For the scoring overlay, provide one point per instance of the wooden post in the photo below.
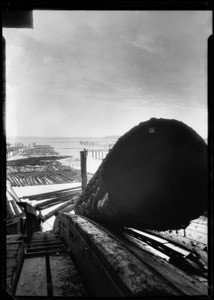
(83, 161)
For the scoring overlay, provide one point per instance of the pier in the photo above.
(79, 257)
(104, 239)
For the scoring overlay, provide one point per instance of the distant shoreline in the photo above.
(64, 139)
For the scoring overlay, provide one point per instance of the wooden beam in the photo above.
(83, 161)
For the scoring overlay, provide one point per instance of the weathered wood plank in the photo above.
(177, 277)
(65, 279)
(109, 267)
(191, 244)
(53, 212)
(32, 280)
(13, 246)
(12, 253)
(13, 238)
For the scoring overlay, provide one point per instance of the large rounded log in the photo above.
(155, 177)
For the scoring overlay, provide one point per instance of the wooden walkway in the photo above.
(14, 256)
(48, 269)
(111, 266)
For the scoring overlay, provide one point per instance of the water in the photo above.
(67, 146)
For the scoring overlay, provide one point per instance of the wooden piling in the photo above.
(83, 161)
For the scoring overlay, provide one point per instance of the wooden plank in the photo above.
(12, 246)
(14, 237)
(189, 243)
(15, 208)
(43, 253)
(65, 279)
(68, 208)
(16, 242)
(111, 270)
(11, 263)
(53, 212)
(40, 241)
(44, 243)
(198, 227)
(83, 160)
(12, 253)
(197, 236)
(46, 248)
(178, 278)
(193, 235)
(32, 281)
(10, 272)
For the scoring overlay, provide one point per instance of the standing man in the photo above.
(40, 219)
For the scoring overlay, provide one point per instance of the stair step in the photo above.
(34, 249)
(41, 253)
(43, 239)
(45, 243)
(43, 236)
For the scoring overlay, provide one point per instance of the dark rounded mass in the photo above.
(155, 177)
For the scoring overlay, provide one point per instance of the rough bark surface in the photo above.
(155, 177)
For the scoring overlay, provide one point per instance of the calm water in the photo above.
(66, 146)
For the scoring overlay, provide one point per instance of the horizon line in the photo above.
(32, 136)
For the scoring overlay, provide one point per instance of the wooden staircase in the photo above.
(44, 243)
(48, 269)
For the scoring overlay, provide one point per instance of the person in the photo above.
(31, 218)
(40, 219)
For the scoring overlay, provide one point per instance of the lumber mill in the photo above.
(135, 227)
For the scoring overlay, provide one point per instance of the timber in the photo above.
(83, 156)
(155, 177)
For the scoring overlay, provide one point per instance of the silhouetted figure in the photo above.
(40, 220)
(31, 218)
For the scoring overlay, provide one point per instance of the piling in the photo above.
(83, 161)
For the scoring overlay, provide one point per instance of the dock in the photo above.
(80, 258)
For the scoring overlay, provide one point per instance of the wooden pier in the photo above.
(48, 269)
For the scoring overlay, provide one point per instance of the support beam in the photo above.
(83, 161)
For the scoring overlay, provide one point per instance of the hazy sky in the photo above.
(98, 73)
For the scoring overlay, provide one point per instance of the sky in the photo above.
(100, 73)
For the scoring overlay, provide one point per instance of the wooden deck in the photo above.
(48, 269)
(14, 256)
